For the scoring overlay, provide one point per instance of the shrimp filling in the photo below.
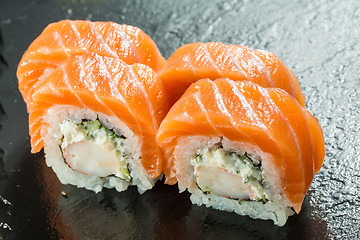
(228, 174)
(90, 148)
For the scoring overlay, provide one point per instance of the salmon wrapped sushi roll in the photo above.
(236, 146)
(97, 119)
(194, 61)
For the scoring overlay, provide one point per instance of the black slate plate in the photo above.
(319, 40)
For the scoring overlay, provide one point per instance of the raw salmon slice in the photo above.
(66, 38)
(213, 60)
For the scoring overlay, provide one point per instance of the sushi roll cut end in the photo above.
(231, 178)
(95, 134)
(92, 150)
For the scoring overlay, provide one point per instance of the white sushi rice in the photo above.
(257, 210)
(53, 136)
(277, 208)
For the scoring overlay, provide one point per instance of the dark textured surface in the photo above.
(319, 40)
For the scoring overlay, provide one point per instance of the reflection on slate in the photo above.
(319, 40)
(5, 205)
(161, 213)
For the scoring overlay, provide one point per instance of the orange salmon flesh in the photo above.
(213, 60)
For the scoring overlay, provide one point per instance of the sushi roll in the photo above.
(67, 38)
(90, 98)
(194, 61)
(236, 146)
(97, 119)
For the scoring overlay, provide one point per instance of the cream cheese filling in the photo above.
(228, 174)
(90, 148)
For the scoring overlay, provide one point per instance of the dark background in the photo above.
(319, 40)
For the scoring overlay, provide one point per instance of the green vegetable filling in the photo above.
(92, 127)
(242, 165)
(94, 131)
